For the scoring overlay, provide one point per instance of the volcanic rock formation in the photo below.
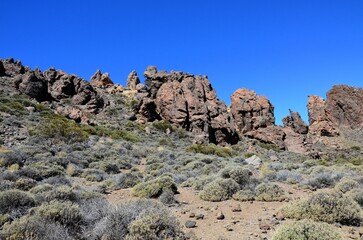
(101, 80)
(187, 101)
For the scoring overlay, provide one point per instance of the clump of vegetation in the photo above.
(15, 200)
(269, 146)
(219, 190)
(211, 149)
(346, 185)
(63, 212)
(244, 195)
(162, 125)
(155, 187)
(307, 229)
(16, 105)
(240, 175)
(357, 195)
(327, 207)
(140, 219)
(269, 192)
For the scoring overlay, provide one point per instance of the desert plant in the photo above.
(357, 195)
(211, 149)
(244, 195)
(139, 219)
(15, 200)
(219, 190)
(65, 212)
(34, 228)
(327, 207)
(269, 192)
(307, 229)
(155, 187)
(346, 185)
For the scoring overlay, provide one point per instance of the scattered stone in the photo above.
(199, 216)
(192, 215)
(265, 226)
(228, 227)
(255, 161)
(220, 216)
(237, 208)
(190, 224)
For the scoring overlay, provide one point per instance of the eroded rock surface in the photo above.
(101, 80)
(187, 101)
(132, 80)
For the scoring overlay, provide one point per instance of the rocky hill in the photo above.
(190, 102)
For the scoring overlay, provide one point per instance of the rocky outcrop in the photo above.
(343, 110)
(55, 85)
(295, 122)
(250, 111)
(101, 80)
(254, 117)
(132, 80)
(189, 102)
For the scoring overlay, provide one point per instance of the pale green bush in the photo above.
(306, 230)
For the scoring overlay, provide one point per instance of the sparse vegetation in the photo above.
(307, 229)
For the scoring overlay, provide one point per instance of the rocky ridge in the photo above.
(190, 102)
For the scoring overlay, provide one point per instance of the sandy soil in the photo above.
(255, 220)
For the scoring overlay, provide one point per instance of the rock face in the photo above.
(295, 122)
(101, 80)
(132, 80)
(187, 101)
(250, 111)
(254, 117)
(55, 85)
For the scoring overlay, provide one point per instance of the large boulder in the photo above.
(250, 111)
(189, 102)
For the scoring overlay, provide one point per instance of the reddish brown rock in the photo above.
(250, 111)
(270, 134)
(189, 102)
(295, 122)
(101, 80)
(132, 80)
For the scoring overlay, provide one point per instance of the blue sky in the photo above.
(283, 49)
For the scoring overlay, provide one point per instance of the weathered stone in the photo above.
(189, 102)
(132, 80)
(190, 224)
(101, 80)
(250, 111)
(255, 161)
(295, 122)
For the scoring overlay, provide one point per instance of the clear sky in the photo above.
(285, 50)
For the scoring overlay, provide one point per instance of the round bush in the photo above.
(154, 188)
(357, 195)
(346, 185)
(307, 229)
(269, 192)
(219, 190)
(15, 200)
(65, 213)
(244, 195)
(326, 207)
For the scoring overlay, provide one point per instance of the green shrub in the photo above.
(15, 200)
(269, 146)
(307, 229)
(34, 228)
(65, 212)
(122, 134)
(355, 148)
(346, 185)
(269, 192)
(357, 195)
(93, 175)
(46, 192)
(155, 187)
(25, 183)
(15, 105)
(162, 125)
(62, 129)
(219, 190)
(137, 220)
(211, 149)
(167, 142)
(249, 154)
(244, 195)
(326, 207)
(239, 174)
